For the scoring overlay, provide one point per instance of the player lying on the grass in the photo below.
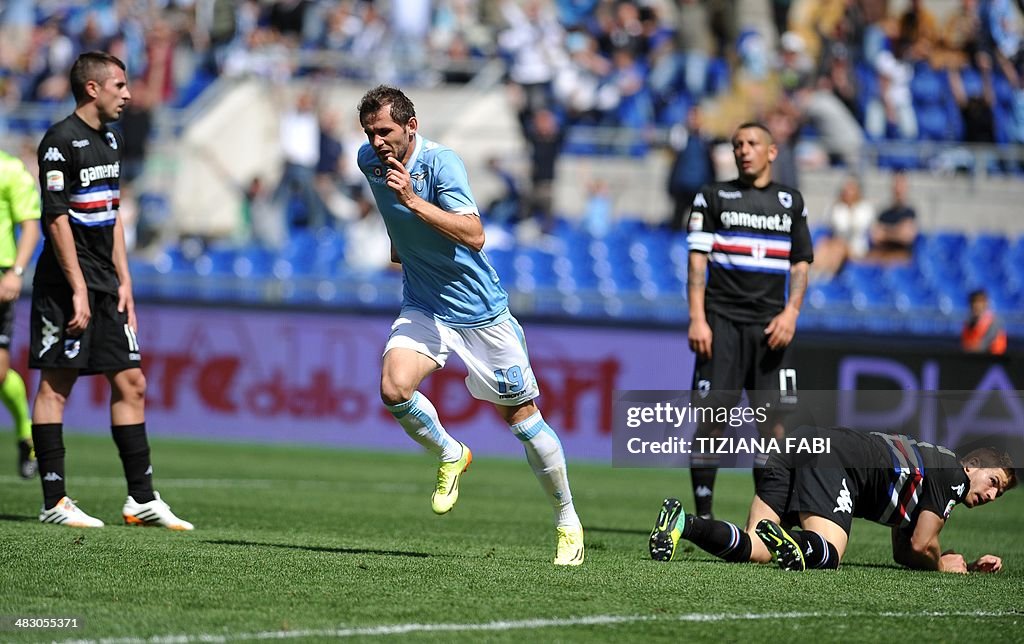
(890, 479)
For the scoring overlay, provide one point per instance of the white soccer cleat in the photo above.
(154, 513)
(67, 513)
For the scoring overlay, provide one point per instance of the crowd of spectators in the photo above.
(840, 71)
(677, 74)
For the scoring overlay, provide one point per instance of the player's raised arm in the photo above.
(466, 229)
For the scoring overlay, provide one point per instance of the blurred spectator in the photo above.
(983, 330)
(507, 206)
(959, 41)
(261, 219)
(288, 18)
(48, 62)
(692, 166)
(839, 78)
(160, 56)
(695, 44)
(628, 78)
(839, 132)
(367, 244)
(918, 29)
(330, 181)
(796, 67)
(300, 145)
(599, 209)
(849, 222)
(534, 46)
(545, 137)
(975, 109)
(724, 22)
(891, 113)
(894, 232)
(1001, 36)
(410, 27)
(620, 28)
(136, 125)
(780, 15)
(582, 86)
(784, 127)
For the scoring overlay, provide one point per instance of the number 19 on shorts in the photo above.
(509, 380)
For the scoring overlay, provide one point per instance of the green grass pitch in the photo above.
(313, 544)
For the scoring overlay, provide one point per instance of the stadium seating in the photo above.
(635, 273)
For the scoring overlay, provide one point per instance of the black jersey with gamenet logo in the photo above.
(898, 477)
(79, 173)
(751, 236)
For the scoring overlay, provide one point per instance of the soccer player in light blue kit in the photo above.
(453, 302)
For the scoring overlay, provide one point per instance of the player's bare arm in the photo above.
(920, 550)
(125, 299)
(700, 331)
(467, 230)
(28, 239)
(782, 328)
(64, 247)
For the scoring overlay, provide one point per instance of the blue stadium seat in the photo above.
(946, 245)
(215, 261)
(253, 263)
(856, 275)
(973, 85)
(828, 295)
(928, 86)
(915, 298)
(933, 123)
(172, 260)
(717, 79)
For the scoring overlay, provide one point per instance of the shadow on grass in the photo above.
(17, 517)
(596, 529)
(341, 551)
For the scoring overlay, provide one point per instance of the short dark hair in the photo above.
(91, 66)
(986, 457)
(757, 125)
(977, 294)
(402, 109)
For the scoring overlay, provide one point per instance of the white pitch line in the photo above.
(525, 624)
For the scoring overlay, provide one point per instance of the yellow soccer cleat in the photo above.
(570, 550)
(667, 531)
(784, 549)
(448, 475)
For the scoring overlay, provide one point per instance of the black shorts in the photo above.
(107, 345)
(741, 360)
(7, 324)
(819, 485)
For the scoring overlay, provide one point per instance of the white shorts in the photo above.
(495, 356)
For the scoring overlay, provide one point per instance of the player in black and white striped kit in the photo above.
(83, 313)
(804, 505)
(747, 237)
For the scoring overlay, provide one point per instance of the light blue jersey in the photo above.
(447, 280)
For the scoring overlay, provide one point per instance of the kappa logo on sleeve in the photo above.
(55, 181)
(699, 201)
(53, 155)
